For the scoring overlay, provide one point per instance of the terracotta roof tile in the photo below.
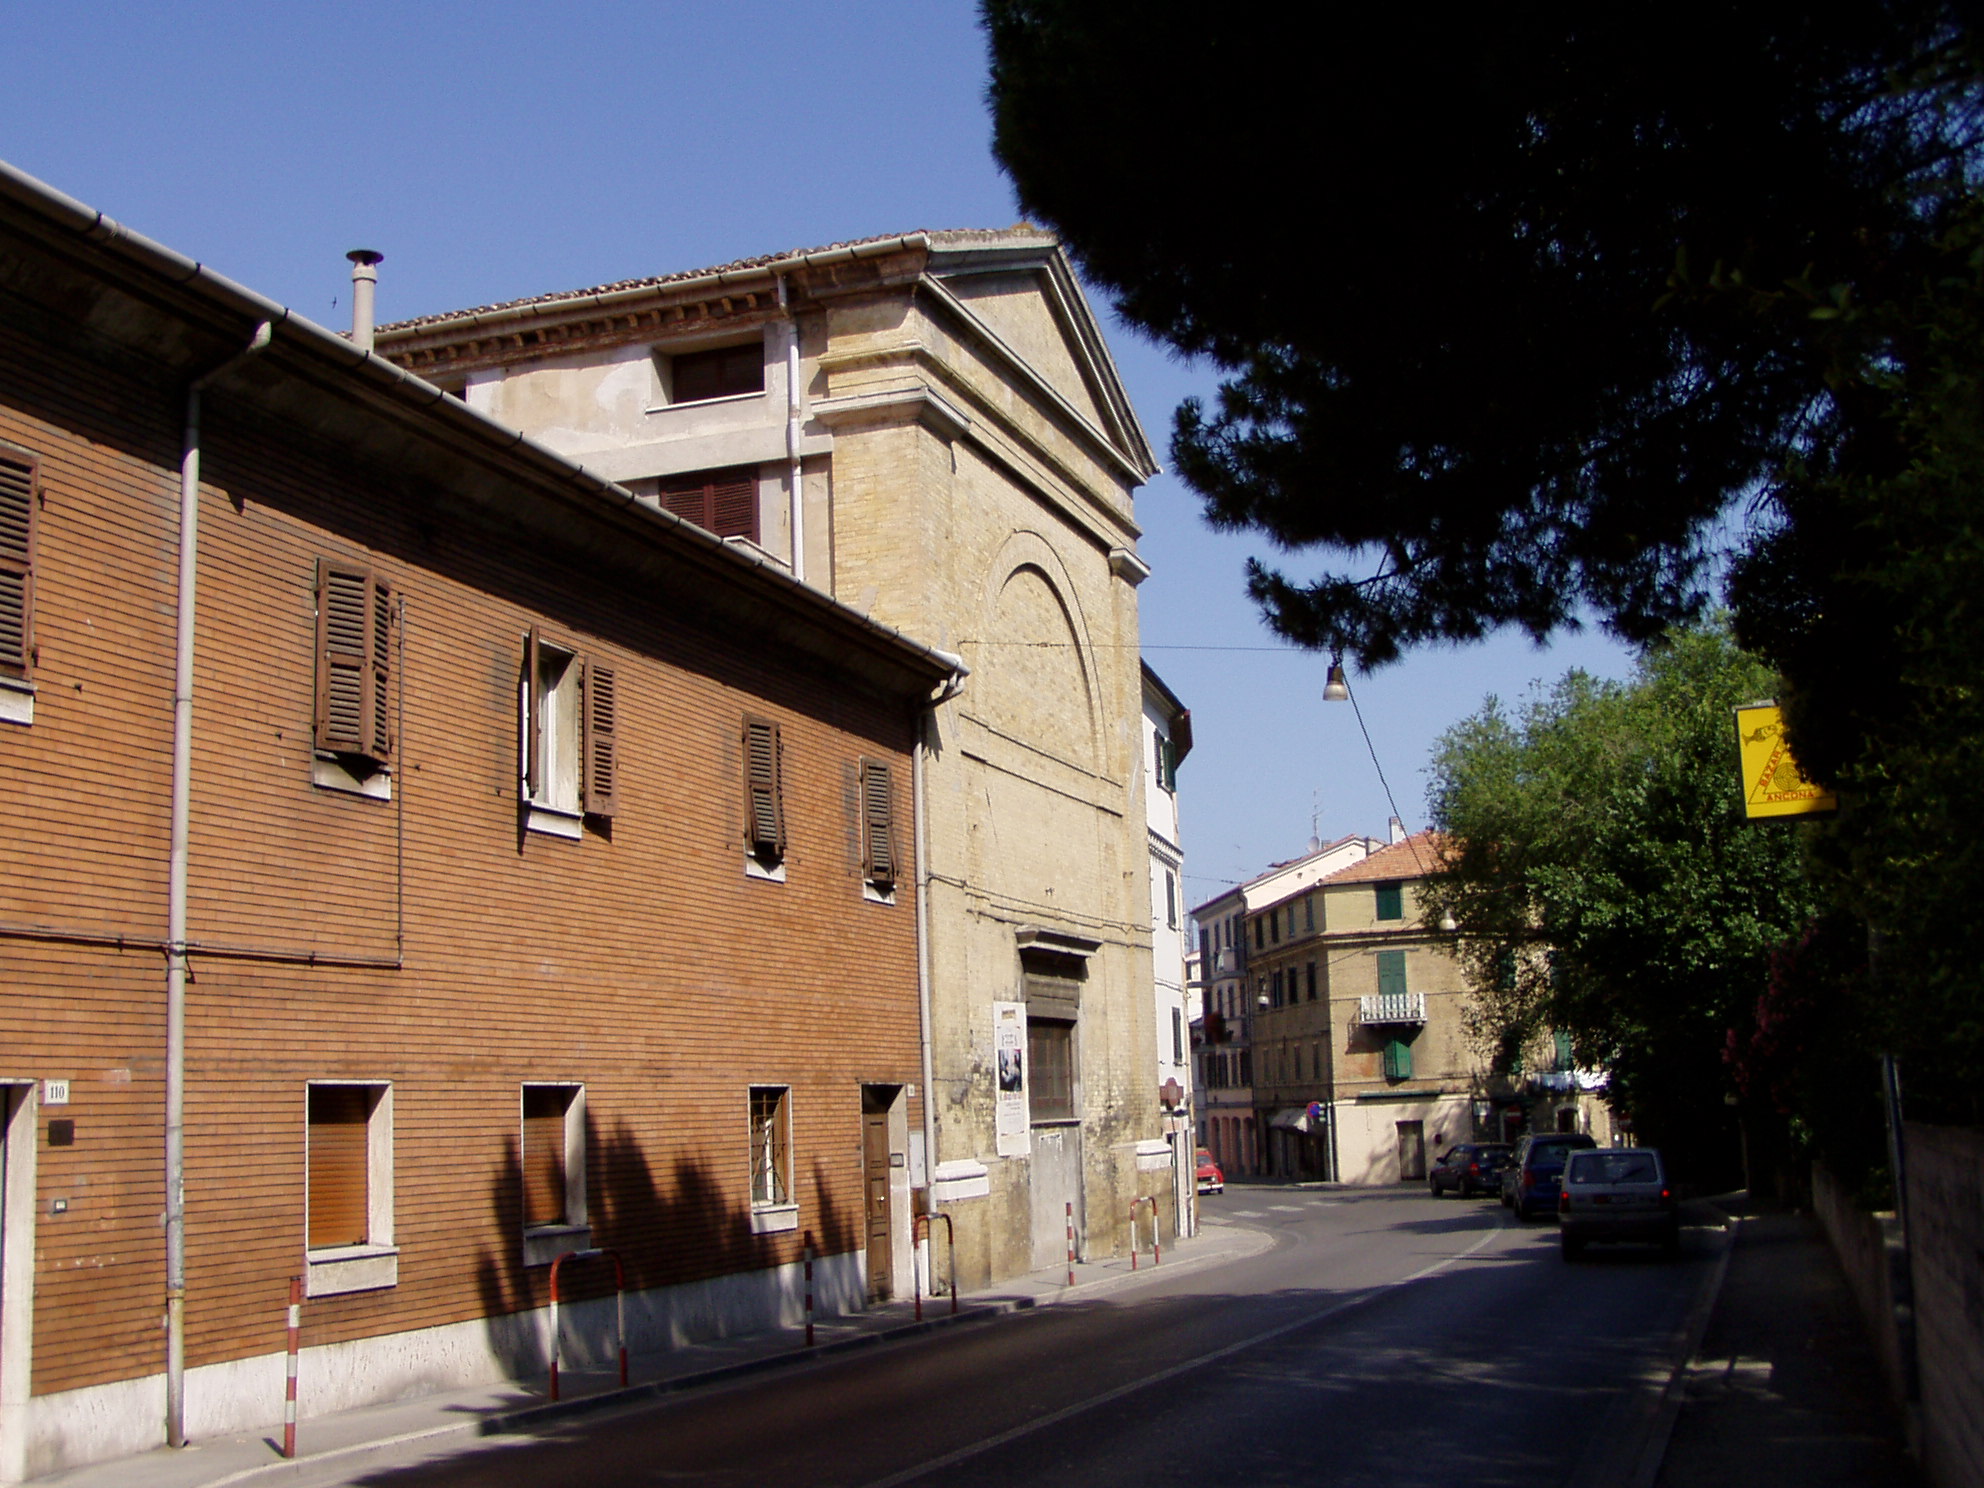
(1418, 856)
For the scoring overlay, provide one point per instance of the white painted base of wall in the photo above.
(101, 1422)
(1367, 1133)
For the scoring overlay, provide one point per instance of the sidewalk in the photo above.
(1784, 1388)
(354, 1442)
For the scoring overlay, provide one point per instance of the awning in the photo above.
(1294, 1118)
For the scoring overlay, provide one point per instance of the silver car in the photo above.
(1617, 1193)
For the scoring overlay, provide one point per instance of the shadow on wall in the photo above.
(694, 1268)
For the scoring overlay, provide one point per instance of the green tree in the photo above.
(1605, 882)
(1510, 303)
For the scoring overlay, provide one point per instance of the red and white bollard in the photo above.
(289, 1378)
(809, 1289)
(619, 1308)
(1071, 1244)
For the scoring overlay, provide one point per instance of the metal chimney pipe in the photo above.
(364, 278)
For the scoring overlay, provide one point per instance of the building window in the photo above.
(1170, 899)
(878, 827)
(1260, 935)
(1177, 1037)
(724, 502)
(1391, 901)
(773, 1208)
(568, 747)
(18, 500)
(721, 372)
(1309, 914)
(1312, 981)
(351, 713)
(1398, 1060)
(1391, 973)
(1561, 1038)
(764, 799)
(348, 1188)
(552, 1162)
(1167, 764)
(1275, 995)
(1050, 1047)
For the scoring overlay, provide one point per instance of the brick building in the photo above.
(549, 879)
(930, 428)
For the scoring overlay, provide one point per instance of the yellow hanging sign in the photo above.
(1773, 785)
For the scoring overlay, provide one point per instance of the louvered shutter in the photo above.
(544, 1154)
(764, 808)
(340, 1129)
(721, 501)
(1391, 973)
(878, 821)
(600, 706)
(354, 661)
(17, 491)
(531, 745)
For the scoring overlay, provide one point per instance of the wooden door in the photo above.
(1411, 1151)
(881, 1227)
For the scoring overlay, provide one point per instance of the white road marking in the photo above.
(1067, 1412)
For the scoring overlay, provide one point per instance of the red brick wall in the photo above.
(643, 963)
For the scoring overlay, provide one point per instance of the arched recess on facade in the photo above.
(1033, 670)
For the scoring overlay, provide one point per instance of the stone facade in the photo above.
(967, 460)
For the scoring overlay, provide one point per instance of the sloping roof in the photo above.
(1418, 856)
(850, 248)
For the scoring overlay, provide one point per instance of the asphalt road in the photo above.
(1385, 1338)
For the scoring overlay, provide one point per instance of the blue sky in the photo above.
(500, 148)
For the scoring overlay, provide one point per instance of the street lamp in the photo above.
(1336, 687)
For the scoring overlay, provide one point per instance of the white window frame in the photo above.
(551, 724)
(544, 1243)
(331, 1270)
(771, 1215)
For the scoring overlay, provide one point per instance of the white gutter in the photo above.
(797, 495)
(175, 898)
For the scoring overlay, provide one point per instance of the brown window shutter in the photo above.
(532, 743)
(17, 506)
(354, 630)
(721, 501)
(599, 733)
(340, 1128)
(878, 821)
(382, 672)
(544, 1154)
(765, 810)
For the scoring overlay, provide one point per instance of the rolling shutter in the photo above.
(17, 491)
(598, 747)
(878, 822)
(354, 662)
(544, 1154)
(764, 825)
(340, 1130)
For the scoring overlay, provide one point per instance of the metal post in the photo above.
(289, 1370)
(1071, 1243)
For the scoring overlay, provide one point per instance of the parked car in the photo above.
(1618, 1193)
(1529, 1183)
(1212, 1178)
(1469, 1168)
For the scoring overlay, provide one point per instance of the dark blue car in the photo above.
(1469, 1168)
(1531, 1182)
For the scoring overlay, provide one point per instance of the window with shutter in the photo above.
(354, 662)
(723, 372)
(551, 1156)
(721, 501)
(339, 1192)
(568, 751)
(18, 472)
(764, 806)
(878, 824)
(1391, 901)
(1398, 1060)
(1050, 1086)
(1391, 973)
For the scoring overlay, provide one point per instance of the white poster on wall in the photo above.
(1009, 1092)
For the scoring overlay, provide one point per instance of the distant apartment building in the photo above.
(1167, 736)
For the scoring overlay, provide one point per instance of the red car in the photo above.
(1212, 1179)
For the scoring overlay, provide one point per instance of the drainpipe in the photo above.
(364, 281)
(175, 901)
(797, 499)
(926, 724)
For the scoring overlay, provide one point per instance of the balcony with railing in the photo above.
(1392, 1007)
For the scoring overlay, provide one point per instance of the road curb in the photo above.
(1649, 1420)
(503, 1423)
